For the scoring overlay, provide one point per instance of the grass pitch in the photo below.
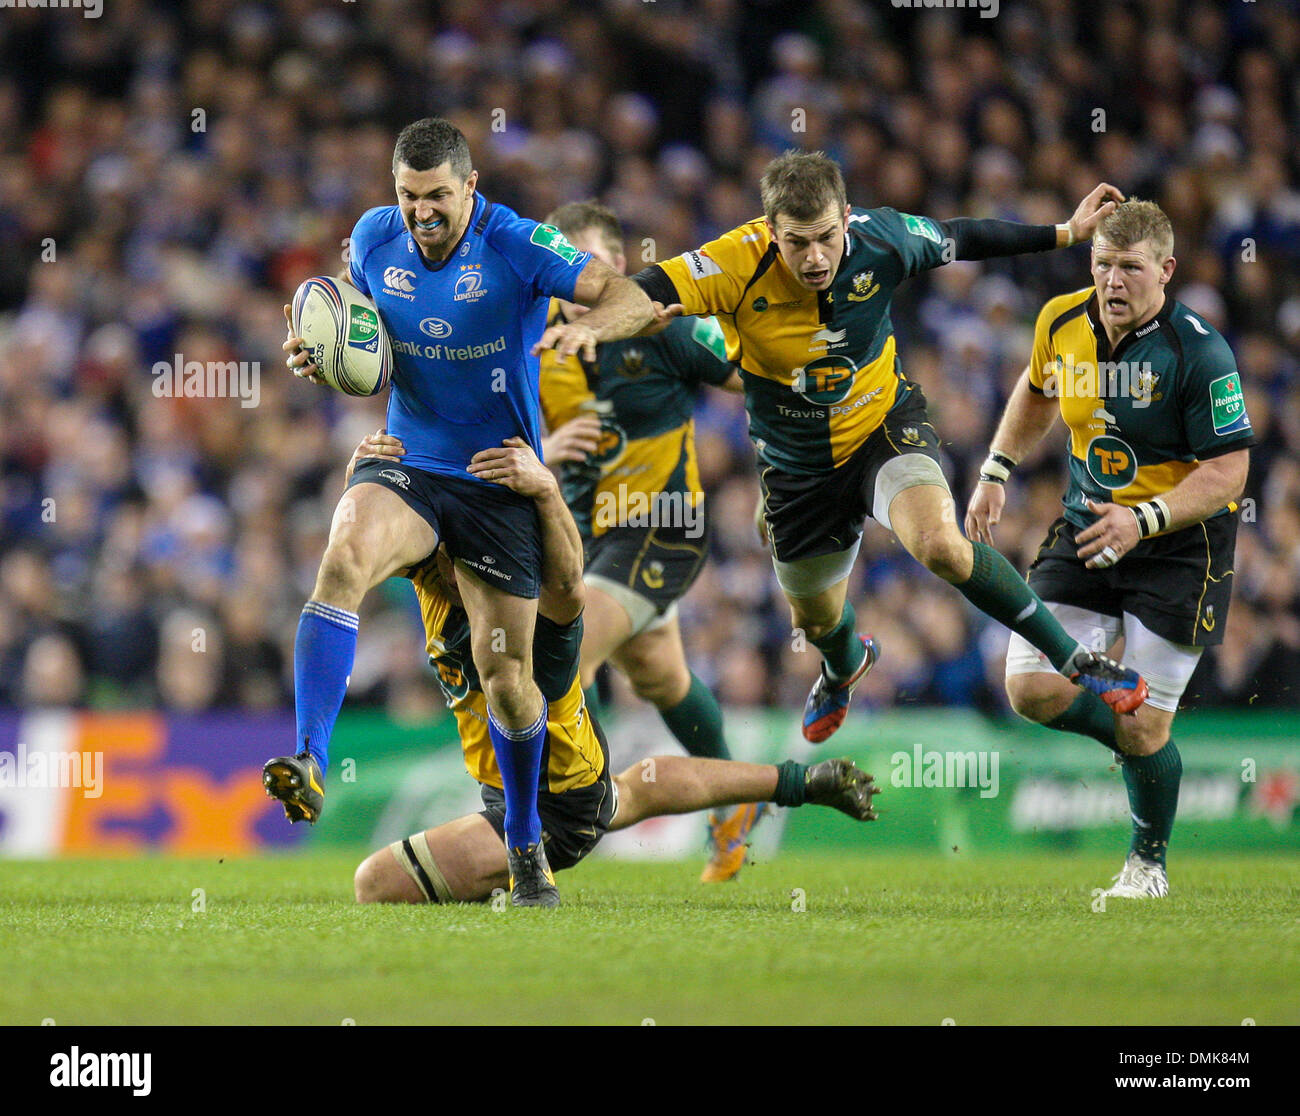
(882, 940)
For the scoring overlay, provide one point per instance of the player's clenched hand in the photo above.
(380, 444)
(514, 465)
(984, 511)
(1095, 208)
(573, 441)
(567, 338)
(299, 361)
(1107, 541)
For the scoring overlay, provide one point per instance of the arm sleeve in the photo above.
(982, 239)
(1213, 401)
(359, 247)
(556, 650)
(540, 255)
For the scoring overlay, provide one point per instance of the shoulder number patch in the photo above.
(1228, 405)
(550, 238)
(921, 226)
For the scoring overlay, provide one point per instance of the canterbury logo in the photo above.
(399, 279)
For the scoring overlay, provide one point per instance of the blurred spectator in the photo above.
(170, 172)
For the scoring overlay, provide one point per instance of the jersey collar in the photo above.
(1152, 325)
(477, 220)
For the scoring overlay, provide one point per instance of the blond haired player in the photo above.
(1157, 454)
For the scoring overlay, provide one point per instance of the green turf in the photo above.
(911, 940)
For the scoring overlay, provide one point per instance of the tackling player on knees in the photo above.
(488, 275)
(1144, 550)
(578, 797)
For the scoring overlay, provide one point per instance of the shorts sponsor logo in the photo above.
(653, 575)
(397, 280)
(437, 328)
(1228, 405)
(483, 568)
(550, 238)
(1111, 462)
(398, 478)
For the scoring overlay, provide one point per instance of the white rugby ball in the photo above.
(341, 331)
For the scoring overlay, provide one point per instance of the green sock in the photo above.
(1088, 715)
(696, 722)
(840, 647)
(998, 591)
(790, 786)
(1152, 783)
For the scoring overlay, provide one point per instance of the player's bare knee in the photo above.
(661, 688)
(1138, 736)
(371, 883)
(944, 553)
(344, 573)
(1038, 697)
(813, 625)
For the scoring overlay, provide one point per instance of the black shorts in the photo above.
(492, 530)
(808, 516)
(657, 563)
(573, 822)
(1178, 585)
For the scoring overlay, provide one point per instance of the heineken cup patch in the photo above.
(548, 236)
(1228, 405)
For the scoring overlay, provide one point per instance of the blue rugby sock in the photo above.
(519, 756)
(322, 667)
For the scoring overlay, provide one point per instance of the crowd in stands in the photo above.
(170, 172)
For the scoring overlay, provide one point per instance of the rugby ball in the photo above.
(340, 328)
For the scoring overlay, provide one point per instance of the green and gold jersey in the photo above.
(572, 755)
(820, 367)
(644, 390)
(1142, 416)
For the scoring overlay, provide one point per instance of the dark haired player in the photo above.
(1144, 551)
(803, 296)
(623, 434)
(579, 799)
(462, 286)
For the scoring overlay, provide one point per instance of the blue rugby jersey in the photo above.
(461, 330)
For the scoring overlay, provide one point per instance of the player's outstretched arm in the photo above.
(514, 466)
(984, 238)
(1025, 422)
(619, 308)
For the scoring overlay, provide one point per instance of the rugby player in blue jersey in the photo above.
(463, 287)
